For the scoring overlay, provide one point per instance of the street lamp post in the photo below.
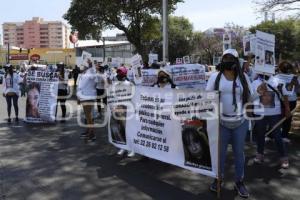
(8, 53)
(165, 31)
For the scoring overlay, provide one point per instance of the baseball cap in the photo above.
(232, 52)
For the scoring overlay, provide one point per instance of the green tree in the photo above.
(286, 37)
(278, 5)
(180, 37)
(136, 18)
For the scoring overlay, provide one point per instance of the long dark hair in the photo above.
(61, 70)
(238, 73)
(9, 70)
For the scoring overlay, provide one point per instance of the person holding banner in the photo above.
(11, 91)
(235, 93)
(287, 75)
(269, 108)
(101, 88)
(62, 90)
(122, 78)
(86, 95)
(164, 80)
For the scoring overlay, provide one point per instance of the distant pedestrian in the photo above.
(75, 72)
(23, 85)
(62, 90)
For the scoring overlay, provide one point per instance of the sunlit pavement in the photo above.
(52, 162)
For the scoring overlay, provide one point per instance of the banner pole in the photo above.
(219, 153)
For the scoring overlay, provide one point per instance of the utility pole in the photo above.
(103, 39)
(8, 53)
(165, 30)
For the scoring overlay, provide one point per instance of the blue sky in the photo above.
(202, 13)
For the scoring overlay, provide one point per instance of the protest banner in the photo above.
(149, 77)
(84, 57)
(180, 127)
(188, 75)
(42, 96)
(116, 62)
(285, 80)
(249, 42)
(264, 53)
(136, 64)
(119, 98)
(153, 58)
(226, 41)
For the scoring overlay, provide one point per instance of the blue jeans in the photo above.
(261, 129)
(237, 138)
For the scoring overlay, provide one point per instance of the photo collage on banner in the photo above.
(119, 99)
(175, 126)
(265, 53)
(42, 96)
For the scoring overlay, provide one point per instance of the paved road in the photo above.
(51, 162)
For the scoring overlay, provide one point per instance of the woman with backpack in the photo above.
(235, 94)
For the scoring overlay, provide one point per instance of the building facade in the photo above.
(36, 33)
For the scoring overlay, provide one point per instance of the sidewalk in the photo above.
(51, 162)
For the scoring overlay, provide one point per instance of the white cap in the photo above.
(232, 52)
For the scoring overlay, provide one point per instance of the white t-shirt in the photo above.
(101, 81)
(226, 97)
(269, 103)
(87, 86)
(286, 80)
(11, 84)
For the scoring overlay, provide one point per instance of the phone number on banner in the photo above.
(152, 145)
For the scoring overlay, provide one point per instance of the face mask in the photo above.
(163, 79)
(228, 65)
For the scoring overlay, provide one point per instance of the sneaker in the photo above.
(9, 120)
(92, 137)
(214, 186)
(285, 164)
(83, 135)
(16, 119)
(121, 152)
(268, 139)
(259, 158)
(286, 140)
(131, 154)
(241, 189)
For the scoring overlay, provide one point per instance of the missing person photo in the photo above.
(247, 46)
(268, 99)
(196, 144)
(269, 57)
(118, 124)
(33, 100)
